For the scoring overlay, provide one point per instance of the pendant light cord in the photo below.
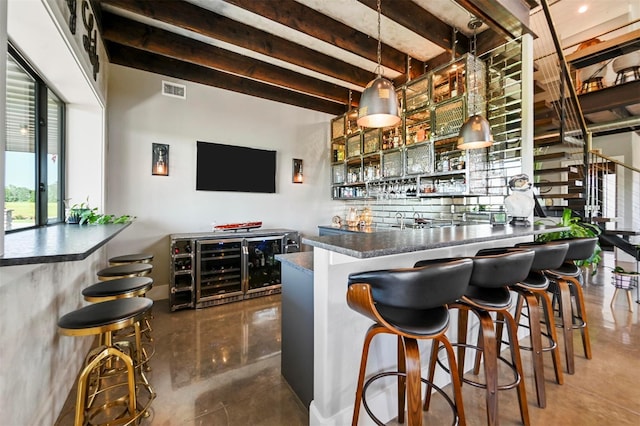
(379, 67)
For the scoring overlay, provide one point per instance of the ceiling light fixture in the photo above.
(379, 103)
(583, 8)
(475, 133)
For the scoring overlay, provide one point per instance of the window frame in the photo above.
(41, 187)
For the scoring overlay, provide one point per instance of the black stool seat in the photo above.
(414, 321)
(128, 270)
(131, 258)
(118, 288)
(103, 317)
(493, 298)
(568, 269)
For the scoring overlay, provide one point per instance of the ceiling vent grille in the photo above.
(174, 90)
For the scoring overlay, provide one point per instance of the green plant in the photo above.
(82, 213)
(576, 229)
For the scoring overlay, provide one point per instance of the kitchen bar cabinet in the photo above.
(210, 269)
(420, 152)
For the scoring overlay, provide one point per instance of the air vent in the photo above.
(174, 90)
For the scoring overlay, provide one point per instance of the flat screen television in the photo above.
(222, 167)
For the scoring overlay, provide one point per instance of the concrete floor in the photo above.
(221, 366)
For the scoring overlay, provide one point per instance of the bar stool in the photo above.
(131, 258)
(532, 291)
(488, 292)
(564, 283)
(124, 271)
(98, 382)
(122, 288)
(411, 304)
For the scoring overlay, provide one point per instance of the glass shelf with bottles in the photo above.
(350, 192)
(448, 81)
(337, 150)
(351, 123)
(417, 125)
(354, 146)
(354, 171)
(438, 186)
(392, 138)
(371, 169)
(416, 93)
(448, 158)
(371, 141)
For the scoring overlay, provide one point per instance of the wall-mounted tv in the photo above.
(222, 167)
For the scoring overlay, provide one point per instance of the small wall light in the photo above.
(297, 170)
(160, 159)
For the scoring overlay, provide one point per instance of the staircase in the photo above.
(566, 174)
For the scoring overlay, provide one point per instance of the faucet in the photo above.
(400, 219)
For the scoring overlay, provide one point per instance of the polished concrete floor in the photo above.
(221, 366)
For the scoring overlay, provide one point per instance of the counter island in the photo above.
(338, 332)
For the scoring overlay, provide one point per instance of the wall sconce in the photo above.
(297, 170)
(160, 159)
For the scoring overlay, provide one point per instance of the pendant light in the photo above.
(476, 131)
(379, 103)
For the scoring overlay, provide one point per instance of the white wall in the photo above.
(138, 115)
(624, 146)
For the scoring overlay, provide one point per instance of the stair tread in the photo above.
(570, 169)
(551, 156)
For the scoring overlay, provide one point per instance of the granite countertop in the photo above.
(367, 245)
(302, 261)
(57, 243)
(356, 229)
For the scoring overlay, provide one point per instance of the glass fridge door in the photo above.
(219, 269)
(263, 270)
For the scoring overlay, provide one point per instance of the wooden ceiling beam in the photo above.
(202, 21)
(306, 20)
(408, 14)
(139, 59)
(154, 40)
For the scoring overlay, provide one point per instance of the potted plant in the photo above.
(82, 213)
(577, 229)
(77, 212)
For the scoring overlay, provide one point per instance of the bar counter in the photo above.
(338, 332)
(57, 243)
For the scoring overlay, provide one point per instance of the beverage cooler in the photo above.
(228, 267)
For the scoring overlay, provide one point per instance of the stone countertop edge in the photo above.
(56, 243)
(302, 261)
(363, 245)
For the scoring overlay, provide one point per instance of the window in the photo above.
(34, 161)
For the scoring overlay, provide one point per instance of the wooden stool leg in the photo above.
(567, 323)
(490, 365)
(414, 383)
(432, 372)
(629, 300)
(455, 378)
(582, 313)
(402, 381)
(512, 329)
(535, 334)
(371, 333)
(551, 330)
(463, 317)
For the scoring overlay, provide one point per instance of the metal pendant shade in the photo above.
(475, 133)
(379, 105)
